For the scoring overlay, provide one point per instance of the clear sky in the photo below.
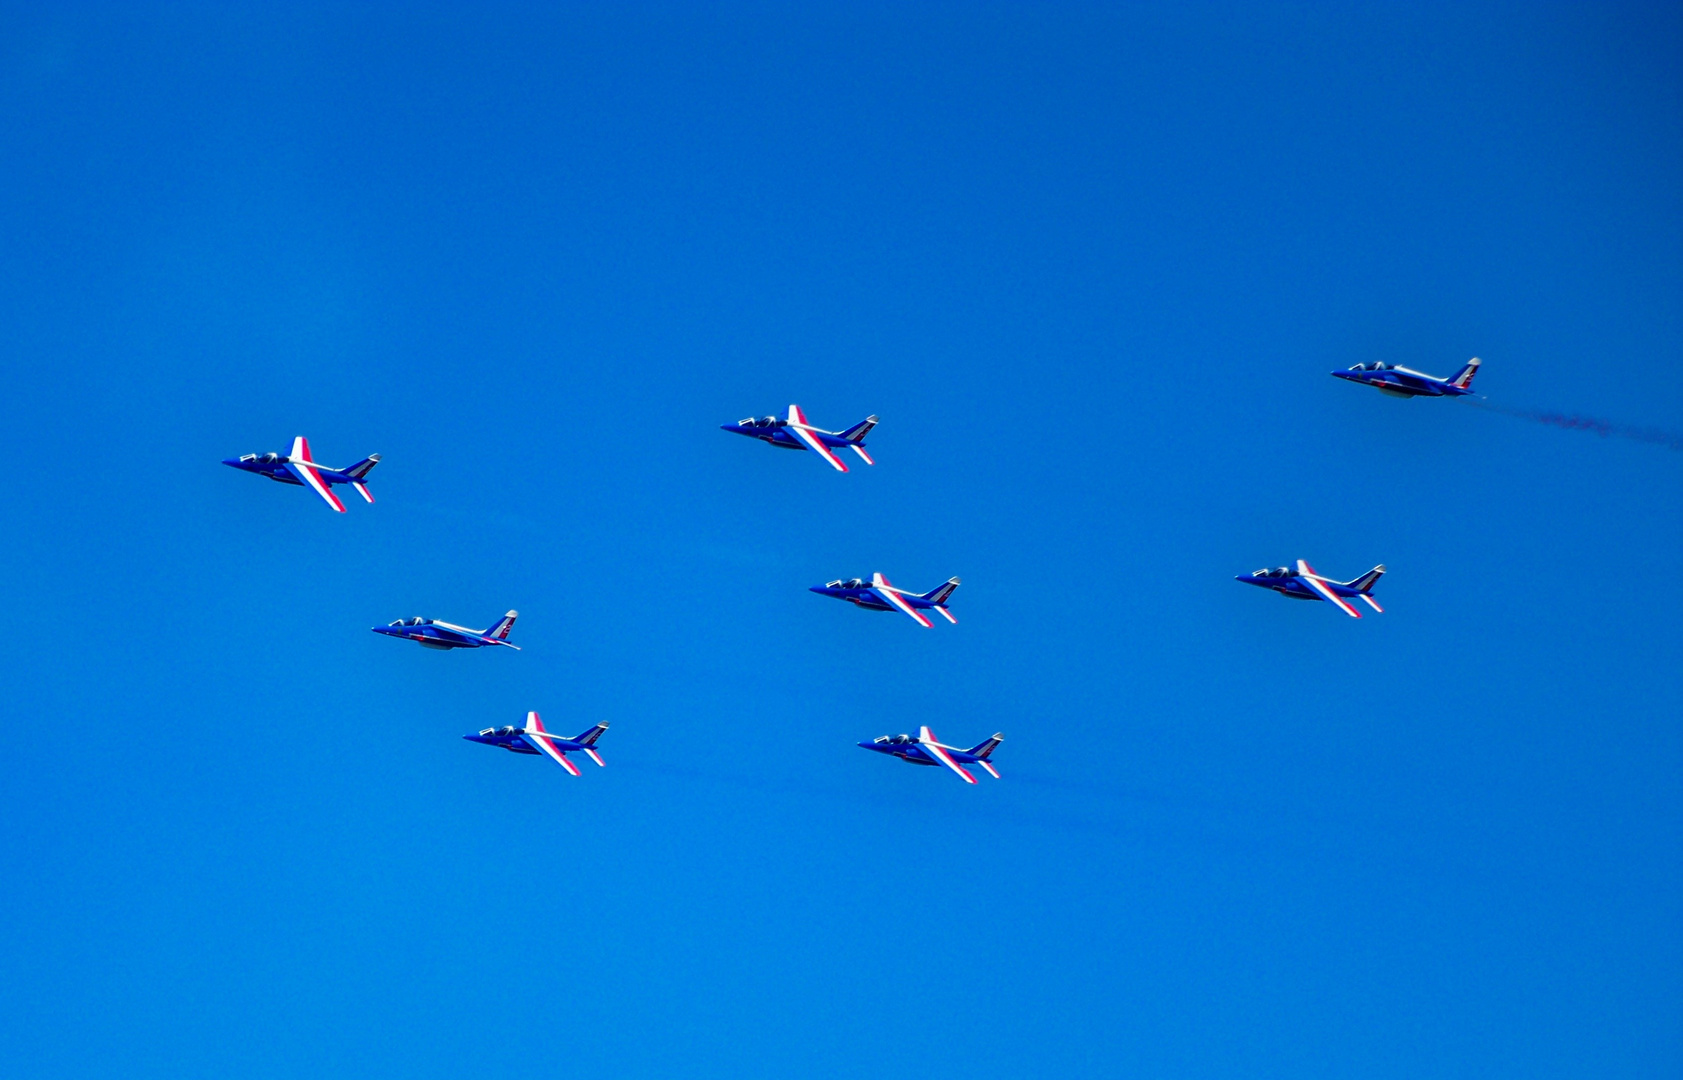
(1091, 267)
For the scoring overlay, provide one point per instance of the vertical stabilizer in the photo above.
(1463, 379)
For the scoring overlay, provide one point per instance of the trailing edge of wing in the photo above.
(926, 739)
(1309, 578)
(815, 443)
(306, 475)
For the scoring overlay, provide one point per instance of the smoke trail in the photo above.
(1604, 428)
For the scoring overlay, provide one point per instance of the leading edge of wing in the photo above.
(1314, 582)
(926, 739)
(814, 443)
(306, 475)
(541, 741)
(887, 593)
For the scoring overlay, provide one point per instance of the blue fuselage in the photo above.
(771, 430)
(432, 635)
(907, 749)
(1401, 381)
(1286, 582)
(857, 592)
(513, 740)
(274, 466)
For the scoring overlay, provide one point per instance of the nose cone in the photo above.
(476, 738)
(390, 631)
(1351, 375)
(822, 590)
(234, 462)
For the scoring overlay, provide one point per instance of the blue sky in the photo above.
(1091, 268)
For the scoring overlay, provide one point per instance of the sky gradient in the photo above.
(1091, 267)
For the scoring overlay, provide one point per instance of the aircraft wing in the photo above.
(881, 587)
(1311, 579)
(306, 474)
(798, 425)
(926, 739)
(541, 741)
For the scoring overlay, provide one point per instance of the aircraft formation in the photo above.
(793, 432)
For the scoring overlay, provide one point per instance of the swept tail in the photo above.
(857, 433)
(1463, 379)
(939, 594)
(1366, 582)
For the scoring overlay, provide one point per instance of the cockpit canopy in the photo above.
(416, 621)
(894, 740)
(1278, 571)
(850, 583)
(764, 421)
(1376, 366)
(506, 731)
(271, 457)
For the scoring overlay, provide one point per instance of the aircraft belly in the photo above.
(429, 643)
(1299, 595)
(1395, 392)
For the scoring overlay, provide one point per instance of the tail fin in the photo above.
(858, 431)
(504, 625)
(985, 747)
(363, 467)
(939, 594)
(1366, 582)
(589, 738)
(1464, 377)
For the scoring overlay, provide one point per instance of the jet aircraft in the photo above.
(925, 750)
(1304, 584)
(879, 595)
(433, 634)
(1402, 382)
(795, 433)
(297, 468)
(533, 739)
